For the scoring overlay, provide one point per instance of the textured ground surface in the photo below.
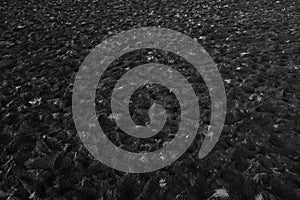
(256, 46)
